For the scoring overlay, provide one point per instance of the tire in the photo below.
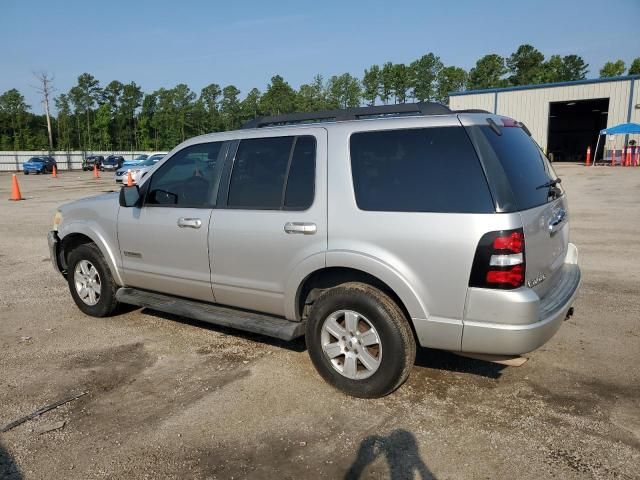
(26, 173)
(378, 319)
(101, 304)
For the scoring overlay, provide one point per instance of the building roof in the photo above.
(547, 85)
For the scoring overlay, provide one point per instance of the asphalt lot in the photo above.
(172, 398)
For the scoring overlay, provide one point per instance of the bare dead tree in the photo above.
(45, 88)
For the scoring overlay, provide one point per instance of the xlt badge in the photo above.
(535, 281)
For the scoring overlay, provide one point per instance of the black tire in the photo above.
(107, 302)
(26, 173)
(396, 339)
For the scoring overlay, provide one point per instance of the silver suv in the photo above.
(368, 231)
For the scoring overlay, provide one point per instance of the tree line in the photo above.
(121, 116)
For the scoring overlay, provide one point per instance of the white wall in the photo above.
(531, 106)
(12, 161)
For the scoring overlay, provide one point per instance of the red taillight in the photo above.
(514, 276)
(513, 242)
(500, 260)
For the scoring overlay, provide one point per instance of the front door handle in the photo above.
(300, 227)
(189, 222)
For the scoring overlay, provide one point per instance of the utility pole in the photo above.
(45, 88)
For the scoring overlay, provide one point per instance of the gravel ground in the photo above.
(173, 398)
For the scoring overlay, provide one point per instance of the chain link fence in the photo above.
(12, 161)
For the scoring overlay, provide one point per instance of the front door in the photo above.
(271, 219)
(163, 244)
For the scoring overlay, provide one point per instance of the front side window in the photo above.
(189, 178)
(273, 174)
(418, 170)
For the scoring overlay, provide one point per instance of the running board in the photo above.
(227, 317)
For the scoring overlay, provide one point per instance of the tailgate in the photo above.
(546, 235)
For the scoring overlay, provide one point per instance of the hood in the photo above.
(91, 202)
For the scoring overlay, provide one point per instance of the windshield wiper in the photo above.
(550, 183)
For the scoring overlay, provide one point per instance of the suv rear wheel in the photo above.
(90, 281)
(360, 341)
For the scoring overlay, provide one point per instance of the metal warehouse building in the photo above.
(564, 118)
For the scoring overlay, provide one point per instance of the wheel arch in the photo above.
(72, 238)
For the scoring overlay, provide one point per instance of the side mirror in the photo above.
(130, 196)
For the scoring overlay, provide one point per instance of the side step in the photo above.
(228, 317)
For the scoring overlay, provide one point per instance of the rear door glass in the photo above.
(525, 167)
(418, 170)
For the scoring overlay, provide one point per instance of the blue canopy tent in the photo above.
(622, 129)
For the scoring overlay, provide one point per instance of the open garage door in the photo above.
(573, 126)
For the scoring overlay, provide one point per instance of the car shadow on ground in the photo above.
(8, 468)
(443, 360)
(399, 449)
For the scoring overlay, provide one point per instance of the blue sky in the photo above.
(163, 43)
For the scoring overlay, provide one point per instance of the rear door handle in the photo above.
(300, 227)
(189, 222)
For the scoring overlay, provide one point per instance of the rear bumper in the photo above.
(519, 337)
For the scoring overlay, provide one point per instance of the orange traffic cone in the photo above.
(129, 179)
(95, 171)
(54, 174)
(15, 189)
(588, 160)
(627, 162)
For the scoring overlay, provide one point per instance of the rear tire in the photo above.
(26, 173)
(90, 281)
(357, 324)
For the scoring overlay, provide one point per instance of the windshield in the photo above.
(152, 160)
(110, 160)
(35, 159)
(141, 157)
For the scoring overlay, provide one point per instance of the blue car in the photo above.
(39, 165)
(135, 162)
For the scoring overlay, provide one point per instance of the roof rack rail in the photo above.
(421, 108)
(472, 110)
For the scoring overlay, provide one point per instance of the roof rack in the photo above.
(421, 108)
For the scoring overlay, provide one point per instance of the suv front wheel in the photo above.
(90, 281)
(359, 340)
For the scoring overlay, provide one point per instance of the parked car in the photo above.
(112, 163)
(42, 164)
(140, 170)
(91, 161)
(136, 161)
(371, 232)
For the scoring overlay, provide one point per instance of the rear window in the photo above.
(516, 166)
(418, 170)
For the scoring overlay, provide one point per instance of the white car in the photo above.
(140, 170)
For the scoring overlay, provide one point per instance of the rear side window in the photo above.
(517, 167)
(273, 174)
(418, 170)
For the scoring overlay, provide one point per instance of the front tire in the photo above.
(360, 341)
(90, 281)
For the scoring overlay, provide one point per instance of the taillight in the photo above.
(499, 261)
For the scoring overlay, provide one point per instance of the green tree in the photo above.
(101, 126)
(386, 82)
(250, 106)
(343, 91)
(279, 98)
(130, 102)
(634, 69)
(450, 79)
(312, 97)
(563, 69)
(230, 107)
(210, 97)
(525, 66)
(64, 122)
(148, 132)
(423, 76)
(14, 108)
(612, 69)
(371, 84)
(487, 73)
(401, 82)
(84, 96)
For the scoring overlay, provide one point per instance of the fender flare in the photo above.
(111, 257)
(356, 261)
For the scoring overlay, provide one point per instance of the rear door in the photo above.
(272, 217)
(522, 180)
